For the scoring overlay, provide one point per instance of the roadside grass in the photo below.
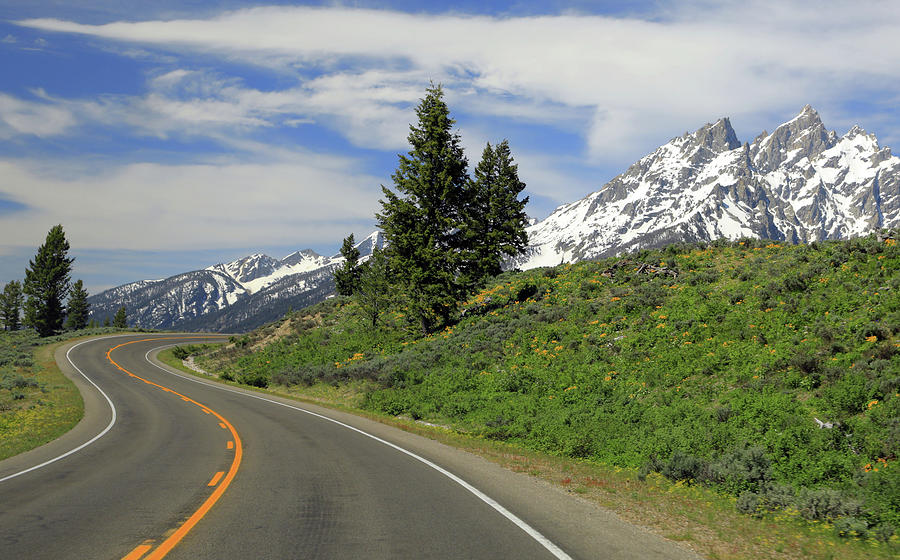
(763, 373)
(38, 403)
(697, 517)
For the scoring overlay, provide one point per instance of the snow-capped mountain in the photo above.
(235, 296)
(800, 183)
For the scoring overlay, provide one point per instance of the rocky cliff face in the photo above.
(800, 183)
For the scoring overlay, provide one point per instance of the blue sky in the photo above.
(167, 136)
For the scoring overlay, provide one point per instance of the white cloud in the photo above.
(40, 119)
(291, 199)
(9, 39)
(640, 78)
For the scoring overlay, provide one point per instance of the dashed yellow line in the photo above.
(216, 477)
(179, 533)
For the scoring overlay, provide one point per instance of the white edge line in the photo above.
(112, 421)
(531, 531)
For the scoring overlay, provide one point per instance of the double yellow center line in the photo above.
(221, 479)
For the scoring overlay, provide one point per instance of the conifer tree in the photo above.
(78, 310)
(346, 278)
(421, 220)
(373, 294)
(106, 321)
(120, 321)
(10, 305)
(495, 219)
(47, 284)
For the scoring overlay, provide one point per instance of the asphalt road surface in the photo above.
(168, 465)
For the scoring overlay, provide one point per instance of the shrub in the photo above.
(254, 380)
(826, 504)
(680, 466)
(749, 503)
(848, 527)
(745, 468)
(883, 531)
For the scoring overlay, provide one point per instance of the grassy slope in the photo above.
(37, 402)
(597, 361)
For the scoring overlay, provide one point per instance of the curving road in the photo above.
(188, 469)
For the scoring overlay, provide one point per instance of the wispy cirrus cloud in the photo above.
(638, 79)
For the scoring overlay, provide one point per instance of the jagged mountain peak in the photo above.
(249, 268)
(800, 183)
(302, 256)
(804, 136)
(718, 136)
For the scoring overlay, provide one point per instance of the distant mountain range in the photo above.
(232, 297)
(800, 183)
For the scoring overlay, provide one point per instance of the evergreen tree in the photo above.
(79, 309)
(106, 321)
(346, 278)
(10, 305)
(120, 321)
(495, 219)
(421, 221)
(47, 284)
(373, 294)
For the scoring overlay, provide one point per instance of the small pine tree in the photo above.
(47, 284)
(346, 278)
(10, 305)
(421, 220)
(120, 321)
(79, 309)
(373, 294)
(495, 218)
(106, 321)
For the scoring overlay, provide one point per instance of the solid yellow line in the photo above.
(167, 545)
(215, 478)
(138, 551)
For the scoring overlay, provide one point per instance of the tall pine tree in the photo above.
(47, 284)
(495, 219)
(120, 321)
(346, 278)
(10, 305)
(421, 220)
(78, 310)
(373, 294)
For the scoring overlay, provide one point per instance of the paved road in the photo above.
(289, 480)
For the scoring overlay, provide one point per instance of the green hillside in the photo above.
(770, 372)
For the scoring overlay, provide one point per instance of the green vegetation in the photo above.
(120, 321)
(769, 373)
(445, 232)
(11, 305)
(37, 402)
(78, 310)
(47, 284)
(346, 278)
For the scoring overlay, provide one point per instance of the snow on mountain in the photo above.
(228, 296)
(800, 183)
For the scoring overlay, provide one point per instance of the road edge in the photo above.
(94, 419)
